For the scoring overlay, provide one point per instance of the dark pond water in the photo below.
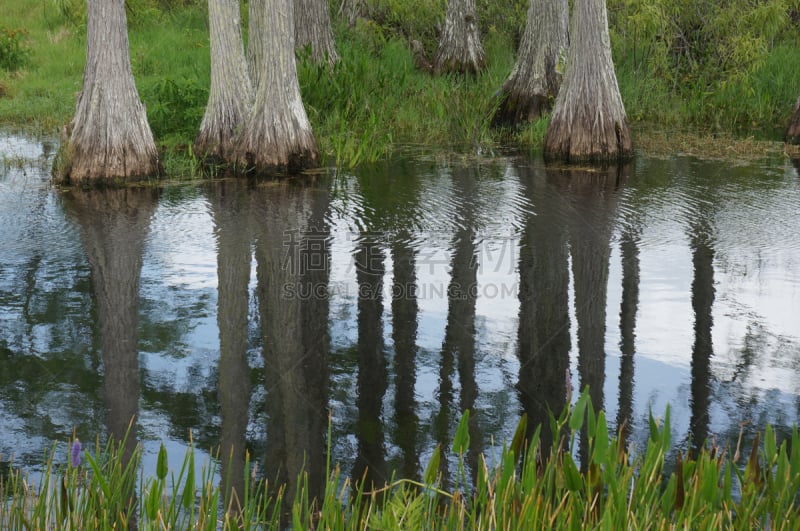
(392, 298)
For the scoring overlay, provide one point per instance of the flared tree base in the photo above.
(214, 150)
(458, 65)
(90, 165)
(517, 109)
(588, 137)
(265, 164)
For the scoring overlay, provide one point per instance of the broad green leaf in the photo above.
(572, 475)
(654, 432)
(600, 454)
(770, 447)
(794, 458)
(518, 442)
(161, 465)
(187, 499)
(152, 503)
(591, 420)
(666, 433)
(432, 470)
(710, 483)
(727, 483)
(668, 499)
(461, 440)
(579, 412)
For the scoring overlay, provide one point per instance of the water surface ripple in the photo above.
(393, 297)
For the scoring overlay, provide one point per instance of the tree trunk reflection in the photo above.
(702, 350)
(543, 336)
(459, 341)
(229, 207)
(404, 335)
(629, 248)
(114, 224)
(292, 274)
(593, 197)
(372, 381)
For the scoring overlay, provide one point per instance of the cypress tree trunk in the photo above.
(277, 135)
(792, 135)
(110, 137)
(312, 27)
(256, 44)
(351, 10)
(534, 82)
(231, 95)
(460, 48)
(589, 121)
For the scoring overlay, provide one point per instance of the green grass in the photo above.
(374, 98)
(522, 487)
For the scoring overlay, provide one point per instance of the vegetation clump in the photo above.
(14, 53)
(613, 487)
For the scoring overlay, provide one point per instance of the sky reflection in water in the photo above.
(669, 281)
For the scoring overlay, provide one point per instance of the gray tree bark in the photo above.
(312, 27)
(109, 136)
(589, 121)
(460, 48)
(792, 135)
(256, 44)
(231, 95)
(277, 135)
(533, 84)
(351, 10)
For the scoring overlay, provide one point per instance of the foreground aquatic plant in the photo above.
(613, 488)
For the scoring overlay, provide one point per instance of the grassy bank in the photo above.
(527, 486)
(375, 97)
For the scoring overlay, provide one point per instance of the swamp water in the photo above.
(389, 299)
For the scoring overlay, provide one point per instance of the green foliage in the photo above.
(139, 12)
(14, 53)
(375, 96)
(423, 20)
(705, 60)
(409, 19)
(71, 13)
(176, 107)
(723, 66)
(690, 41)
(616, 488)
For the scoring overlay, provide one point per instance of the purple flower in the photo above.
(75, 454)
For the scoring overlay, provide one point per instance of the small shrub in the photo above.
(14, 54)
(175, 106)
